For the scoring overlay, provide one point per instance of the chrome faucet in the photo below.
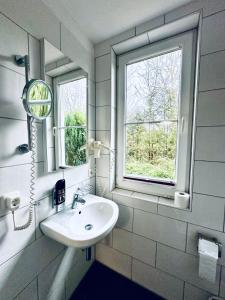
(77, 199)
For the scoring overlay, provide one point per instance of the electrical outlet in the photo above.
(11, 200)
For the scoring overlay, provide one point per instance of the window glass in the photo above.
(73, 127)
(151, 116)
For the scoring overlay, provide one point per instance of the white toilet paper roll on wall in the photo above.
(181, 200)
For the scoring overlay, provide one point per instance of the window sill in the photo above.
(142, 201)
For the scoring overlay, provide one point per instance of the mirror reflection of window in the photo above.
(73, 121)
(71, 118)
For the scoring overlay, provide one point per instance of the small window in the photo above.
(155, 110)
(71, 119)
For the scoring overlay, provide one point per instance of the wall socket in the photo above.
(10, 200)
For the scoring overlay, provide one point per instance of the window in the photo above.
(71, 118)
(155, 111)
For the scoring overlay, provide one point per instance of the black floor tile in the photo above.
(101, 283)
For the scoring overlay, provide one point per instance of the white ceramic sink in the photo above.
(84, 225)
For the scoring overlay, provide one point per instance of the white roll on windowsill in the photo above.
(181, 200)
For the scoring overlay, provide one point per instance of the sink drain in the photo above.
(88, 226)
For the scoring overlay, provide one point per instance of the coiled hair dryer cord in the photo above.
(32, 182)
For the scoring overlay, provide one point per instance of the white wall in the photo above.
(31, 265)
(155, 244)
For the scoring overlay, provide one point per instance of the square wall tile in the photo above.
(30, 292)
(102, 187)
(212, 75)
(13, 134)
(91, 117)
(157, 281)
(213, 28)
(209, 178)
(126, 215)
(167, 231)
(35, 57)
(136, 200)
(103, 93)
(10, 33)
(213, 208)
(103, 118)
(104, 136)
(185, 267)
(103, 166)
(11, 180)
(222, 283)
(114, 259)
(192, 292)
(210, 144)
(8, 235)
(91, 92)
(11, 105)
(211, 108)
(51, 281)
(135, 246)
(21, 269)
(103, 65)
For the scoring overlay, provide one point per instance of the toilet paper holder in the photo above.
(211, 239)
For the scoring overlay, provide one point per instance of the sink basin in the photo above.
(83, 226)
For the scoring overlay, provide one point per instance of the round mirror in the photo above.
(37, 99)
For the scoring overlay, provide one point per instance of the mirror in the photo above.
(67, 128)
(37, 99)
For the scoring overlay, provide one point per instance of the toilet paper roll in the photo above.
(181, 200)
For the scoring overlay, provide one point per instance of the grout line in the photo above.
(220, 277)
(107, 53)
(211, 90)
(172, 218)
(186, 237)
(209, 126)
(14, 119)
(213, 52)
(102, 81)
(156, 252)
(212, 14)
(210, 161)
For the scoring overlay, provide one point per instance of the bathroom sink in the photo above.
(84, 225)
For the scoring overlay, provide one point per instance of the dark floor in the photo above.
(101, 283)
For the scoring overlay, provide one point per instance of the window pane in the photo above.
(73, 97)
(73, 133)
(152, 105)
(151, 150)
(153, 87)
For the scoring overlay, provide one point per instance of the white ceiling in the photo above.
(102, 19)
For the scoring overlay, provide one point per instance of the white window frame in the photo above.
(187, 42)
(59, 134)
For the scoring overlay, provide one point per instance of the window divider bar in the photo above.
(150, 122)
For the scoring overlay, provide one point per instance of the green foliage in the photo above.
(151, 153)
(37, 92)
(75, 138)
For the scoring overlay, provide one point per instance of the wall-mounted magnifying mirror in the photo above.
(67, 129)
(37, 99)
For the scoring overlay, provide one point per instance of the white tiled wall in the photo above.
(31, 265)
(154, 243)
